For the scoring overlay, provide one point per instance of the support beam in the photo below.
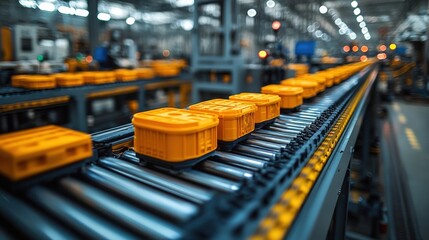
(92, 25)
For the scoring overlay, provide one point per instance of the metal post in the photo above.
(339, 219)
(426, 61)
(92, 24)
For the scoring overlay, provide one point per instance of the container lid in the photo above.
(38, 78)
(259, 99)
(282, 90)
(175, 120)
(225, 108)
(68, 76)
(299, 83)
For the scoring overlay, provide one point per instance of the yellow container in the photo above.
(268, 106)
(165, 68)
(17, 80)
(236, 119)
(321, 81)
(310, 88)
(291, 97)
(174, 135)
(29, 152)
(37, 82)
(329, 78)
(126, 75)
(145, 73)
(99, 77)
(68, 79)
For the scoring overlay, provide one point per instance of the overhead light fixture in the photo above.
(367, 36)
(352, 36)
(356, 11)
(359, 18)
(346, 48)
(364, 30)
(318, 34)
(271, 3)
(251, 12)
(81, 12)
(28, 3)
(103, 16)
(364, 49)
(392, 46)
(362, 24)
(130, 20)
(354, 4)
(47, 6)
(338, 21)
(187, 24)
(323, 9)
(66, 10)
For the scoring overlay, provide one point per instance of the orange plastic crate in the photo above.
(165, 68)
(175, 135)
(68, 79)
(236, 119)
(291, 97)
(29, 152)
(268, 106)
(125, 75)
(17, 80)
(99, 77)
(310, 88)
(321, 81)
(37, 82)
(145, 73)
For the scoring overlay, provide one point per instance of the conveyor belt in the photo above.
(224, 197)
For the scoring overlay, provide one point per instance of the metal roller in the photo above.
(270, 151)
(32, 224)
(225, 170)
(134, 218)
(276, 134)
(239, 160)
(83, 221)
(163, 203)
(264, 144)
(158, 180)
(269, 138)
(210, 181)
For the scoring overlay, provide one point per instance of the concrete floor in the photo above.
(411, 124)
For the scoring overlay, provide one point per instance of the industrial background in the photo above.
(214, 119)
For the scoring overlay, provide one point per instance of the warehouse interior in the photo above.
(214, 119)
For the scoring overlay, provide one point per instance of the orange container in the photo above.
(321, 81)
(310, 88)
(126, 75)
(174, 135)
(145, 73)
(99, 77)
(268, 106)
(236, 119)
(165, 68)
(68, 79)
(37, 82)
(291, 97)
(17, 80)
(29, 152)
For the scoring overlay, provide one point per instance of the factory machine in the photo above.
(282, 171)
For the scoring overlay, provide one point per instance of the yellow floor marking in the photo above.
(396, 107)
(402, 119)
(412, 139)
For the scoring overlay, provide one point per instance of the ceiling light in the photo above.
(187, 24)
(367, 37)
(338, 21)
(364, 30)
(130, 20)
(47, 6)
(362, 24)
(28, 3)
(356, 11)
(342, 31)
(81, 12)
(359, 18)
(103, 16)
(352, 36)
(311, 28)
(66, 10)
(323, 9)
(271, 3)
(354, 4)
(251, 12)
(392, 46)
(318, 34)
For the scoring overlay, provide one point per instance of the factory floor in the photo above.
(410, 122)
